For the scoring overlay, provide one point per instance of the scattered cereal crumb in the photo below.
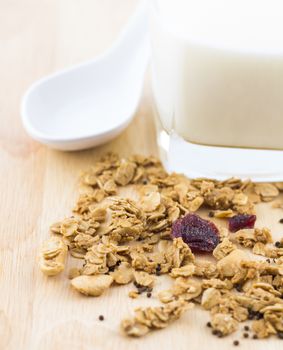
(53, 256)
(133, 294)
(92, 285)
(154, 318)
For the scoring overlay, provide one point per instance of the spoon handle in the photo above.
(136, 31)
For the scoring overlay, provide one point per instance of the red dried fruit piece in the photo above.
(241, 221)
(201, 235)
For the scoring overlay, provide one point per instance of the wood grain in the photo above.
(38, 186)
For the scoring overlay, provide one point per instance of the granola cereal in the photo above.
(52, 256)
(144, 279)
(224, 248)
(231, 263)
(123, 274)
(224, 323)
(92, 285)
(184, 271)
(154, 318)
(249, 237)
(122, 239)
(210, 298)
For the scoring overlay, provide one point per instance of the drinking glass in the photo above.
(217, 91)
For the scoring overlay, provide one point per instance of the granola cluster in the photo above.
(121, 230)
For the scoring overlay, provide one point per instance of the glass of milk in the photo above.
(217, 81)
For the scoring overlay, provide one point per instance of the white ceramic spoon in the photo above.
(91, 103)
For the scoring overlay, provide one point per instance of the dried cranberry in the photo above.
(201, 235)
(240, 221)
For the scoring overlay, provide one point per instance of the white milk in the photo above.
(218, 70)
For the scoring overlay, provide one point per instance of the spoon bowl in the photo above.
(91, 103)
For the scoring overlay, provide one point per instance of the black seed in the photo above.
(211, 214)
(215, 332)
(281, 221)
(219, 335)
(135, 283)
(254, 315)
(208, 324)
(142, 289)
(118, 263)
(246, 328)
(280, 335)
(238, 287)
(144, 182)
(236, 342)
(101, 318)
(251, 314)
(111, 268)
(268, 260)
(277, 244)
(158, 267)
(258, 315)
(246, 335)
(255, 336)
(148, 295)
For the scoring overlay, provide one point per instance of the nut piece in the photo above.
(186, 287)
(125, 173)
(205, 268)
(231, 264)
(184, 271)
(92, 285)
(224, 323)
(53, 256)
(179, 253)
(223, 249)
(166, 296)
(150, 201)
(123, 274)
(144, 279)
(133, 329)
(210, 298)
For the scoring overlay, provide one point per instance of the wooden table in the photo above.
(38, 187)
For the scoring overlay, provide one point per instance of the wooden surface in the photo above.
(38, 187)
